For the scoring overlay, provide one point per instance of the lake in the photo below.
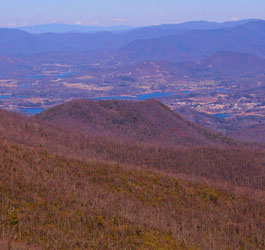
(222, 90)
(2, 97)
(153, 95)
(221, 115)
(185, 91)
(35, 76)
(32, 111)
(56, 76)
(25, 86)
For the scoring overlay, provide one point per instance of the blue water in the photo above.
(221, 115)
(25, 86)
(35, 76)
(185, 92)
(32, 111)
(153, 95)
(56, 76)
(138, 97)
(2, 97)
(64, 75)
(3, 74)
(222, 89)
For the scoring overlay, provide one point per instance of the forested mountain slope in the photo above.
(48, 201)
(148, 120)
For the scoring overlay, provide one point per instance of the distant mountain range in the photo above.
(197, 44)
(181, 42)
(64, 28)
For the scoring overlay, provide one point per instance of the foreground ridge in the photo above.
(54, 202)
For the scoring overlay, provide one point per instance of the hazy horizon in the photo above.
(124, 25)
(118, 12)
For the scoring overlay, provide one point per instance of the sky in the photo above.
(125, 12)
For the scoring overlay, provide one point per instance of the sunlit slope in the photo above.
(54, 202)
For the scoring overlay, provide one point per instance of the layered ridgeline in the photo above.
(66, 186)
(169, 42)
(149, 121)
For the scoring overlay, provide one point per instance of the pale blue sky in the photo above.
(126, 12)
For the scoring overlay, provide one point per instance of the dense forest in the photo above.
(87, 180)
